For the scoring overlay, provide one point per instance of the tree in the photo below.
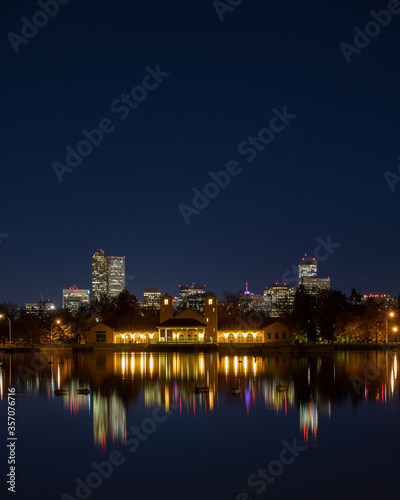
(125, 305)
(230, 302)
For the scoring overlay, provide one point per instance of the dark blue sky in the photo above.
(322, 175)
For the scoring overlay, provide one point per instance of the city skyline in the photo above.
(306, 270)
(253, 126)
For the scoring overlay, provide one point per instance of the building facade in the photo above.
(116, 275)
(151, 298)
(315, 285)
(192, 296)
(40, 309)
(307, 268)
(75, 298)
(279, 299)
(308, 277)
(99, 275)
(108, 275)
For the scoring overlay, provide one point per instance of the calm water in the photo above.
(309, 425)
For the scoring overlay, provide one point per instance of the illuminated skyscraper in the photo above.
(116, 275)
(74, 298)
(308, 276)
(279, 299)
(151, 298)
(192, 296)
(100, 267)
(307, 268)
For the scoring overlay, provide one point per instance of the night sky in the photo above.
(213, 86)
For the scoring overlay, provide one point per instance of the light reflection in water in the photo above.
(284, 384)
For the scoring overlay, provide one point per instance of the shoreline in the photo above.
(222, 349)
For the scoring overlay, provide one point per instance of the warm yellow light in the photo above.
(151, 362)
(245, 365)
(58, 321)
(395, 329)
(391, 314)
(226, 365)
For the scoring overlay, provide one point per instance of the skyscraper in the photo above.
(100, 267)
(116, 275)
(307, 268)
(279, 299)
(151, 298)
(192, 296)
(75, 298)
(308, 276)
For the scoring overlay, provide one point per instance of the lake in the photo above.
(278, 426)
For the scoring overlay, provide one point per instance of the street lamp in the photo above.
(9, 326)
(395, 329)
(391, 314)
(51, 329)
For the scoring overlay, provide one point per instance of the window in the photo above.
(276, 335)
(165, 302)
(209, 302)
(284, 335)
(269, 335)
(101, 337)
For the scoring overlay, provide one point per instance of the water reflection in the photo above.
(309, 386)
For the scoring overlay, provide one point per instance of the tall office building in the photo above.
(100, 267)
(307, 268)
(308, 276)
(40, 309)
(314, 285)
(151, 298)
(192, 296)
(75, 298)
(279, 299)
(116, 275)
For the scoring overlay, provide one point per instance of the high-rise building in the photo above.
(75, 298)
(40, 309)
(151, 298)
(192, 296)
(307, 268)
(279, 299)
(116, 275)
(100, 265)
(314, 285)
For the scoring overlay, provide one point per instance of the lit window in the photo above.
(165, 302)
(209, 301)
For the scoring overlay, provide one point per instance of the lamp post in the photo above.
(9, 326)
(51, 329)
(391, 314)
(395, 329)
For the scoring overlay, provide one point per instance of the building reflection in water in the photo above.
(198, 382)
